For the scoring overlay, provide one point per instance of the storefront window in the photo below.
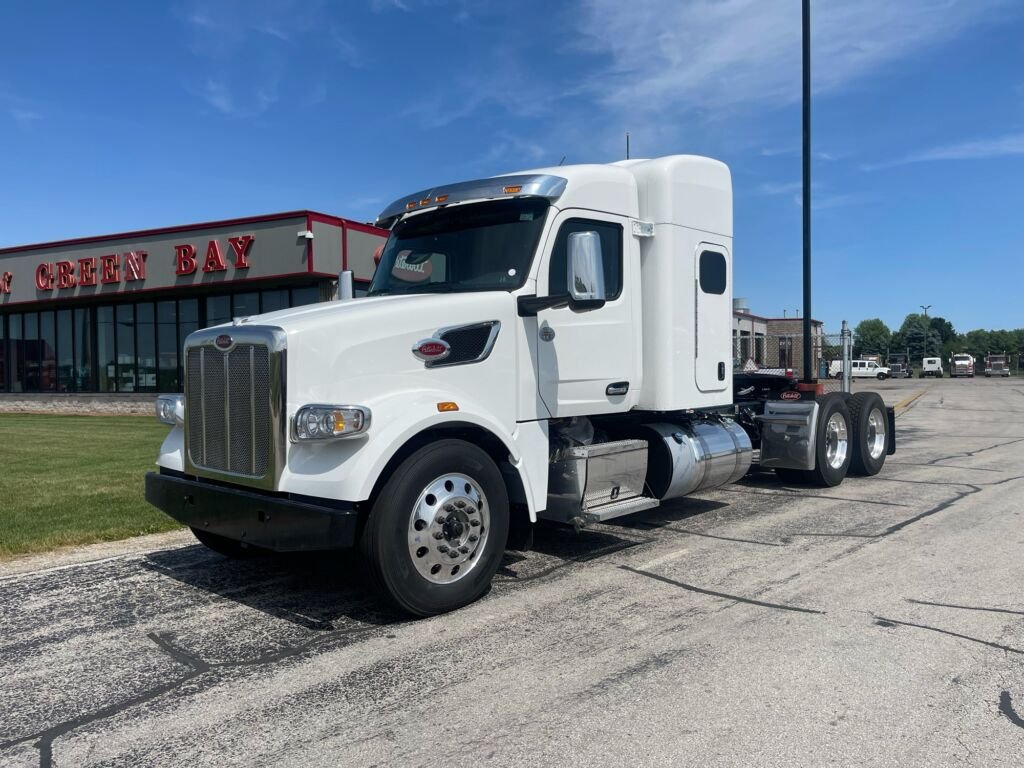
(31, 346)
(3, 354)
(246, 304)
(65, 352)
(188, 322)
(218, 310)
(16, 353)
(126, 370)
(274, 300)
(105, 361)
(83, 350)
(145, 330)
(167, 344)
(47, 352)
(307, 295)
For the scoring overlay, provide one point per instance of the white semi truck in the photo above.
(548, 345)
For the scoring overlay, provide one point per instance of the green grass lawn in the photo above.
(75, 480)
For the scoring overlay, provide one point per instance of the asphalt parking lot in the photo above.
(878, 623)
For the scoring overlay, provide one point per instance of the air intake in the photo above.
(469, 343)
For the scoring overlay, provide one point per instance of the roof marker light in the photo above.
(409, 206)
(441, 199)
(447, 406)
(513, 189)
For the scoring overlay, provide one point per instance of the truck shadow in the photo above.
(322, 591)
(316, 591)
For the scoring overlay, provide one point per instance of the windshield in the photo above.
(474, 247)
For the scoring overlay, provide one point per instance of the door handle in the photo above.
(617, 388)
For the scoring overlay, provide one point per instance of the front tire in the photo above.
(436, 533)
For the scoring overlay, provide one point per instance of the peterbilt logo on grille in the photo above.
(790, 395)
(432, 350)
(223, 341)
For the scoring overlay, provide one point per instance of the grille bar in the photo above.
(234, 403)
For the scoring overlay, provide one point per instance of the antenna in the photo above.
(627, 145)
(562, 160)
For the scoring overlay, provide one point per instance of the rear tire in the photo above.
(832, 443)
(436, 533)
(222, 545)
(870, 424)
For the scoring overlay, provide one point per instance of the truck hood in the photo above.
(360, 351)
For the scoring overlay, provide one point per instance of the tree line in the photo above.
(922, 336)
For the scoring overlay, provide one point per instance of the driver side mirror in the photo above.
(585, 272)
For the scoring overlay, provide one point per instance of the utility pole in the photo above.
(808, 377)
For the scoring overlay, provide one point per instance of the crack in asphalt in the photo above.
(972, 454)
(889, 623)
(196, 668)
(723, 595)
(964, 607)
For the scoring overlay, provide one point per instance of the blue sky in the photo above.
(117, 116)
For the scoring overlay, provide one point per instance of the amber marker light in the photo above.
(513, 189)
(441, 199)
(447, 406)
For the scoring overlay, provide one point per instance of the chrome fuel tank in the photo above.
(689, 457)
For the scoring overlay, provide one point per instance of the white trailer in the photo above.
(548, 345)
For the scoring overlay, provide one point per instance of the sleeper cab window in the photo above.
(712, 272)
(611, 256)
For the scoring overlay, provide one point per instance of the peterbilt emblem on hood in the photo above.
(432, 350)
(223, 341)
(790, 395)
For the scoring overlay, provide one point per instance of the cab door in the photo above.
(712, 326)
(589, 360)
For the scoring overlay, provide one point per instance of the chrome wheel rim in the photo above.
(448, 528)
(876, 433)
(837, 441)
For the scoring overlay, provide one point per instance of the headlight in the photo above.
(170, 409)
(329, 422)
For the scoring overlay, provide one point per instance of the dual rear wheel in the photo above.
(851, 437)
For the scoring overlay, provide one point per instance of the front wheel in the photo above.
(881, 377)
(436, 532)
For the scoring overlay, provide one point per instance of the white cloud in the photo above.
(219, 97)
(1009, 145)
(710, 56)
(24, 116)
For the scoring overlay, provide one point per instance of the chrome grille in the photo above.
(233, 405)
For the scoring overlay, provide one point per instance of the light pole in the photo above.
(806, 50)
(925, 308)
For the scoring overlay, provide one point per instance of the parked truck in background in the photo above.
(997, 365)
(899, 365)
(548, 345)
(931, 366)
(961, 364)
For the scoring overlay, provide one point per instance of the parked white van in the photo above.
(860, 369)
(931, 366)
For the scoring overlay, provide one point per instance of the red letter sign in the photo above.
(5, 282)
(240, 245)
(214, 260)
(110, 269)
(186, 259)
(65, 274)
(44, 277)
(134, 266)
(87, 271)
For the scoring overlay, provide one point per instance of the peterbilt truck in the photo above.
(996, 365)
(551, 345)
(961, 364)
